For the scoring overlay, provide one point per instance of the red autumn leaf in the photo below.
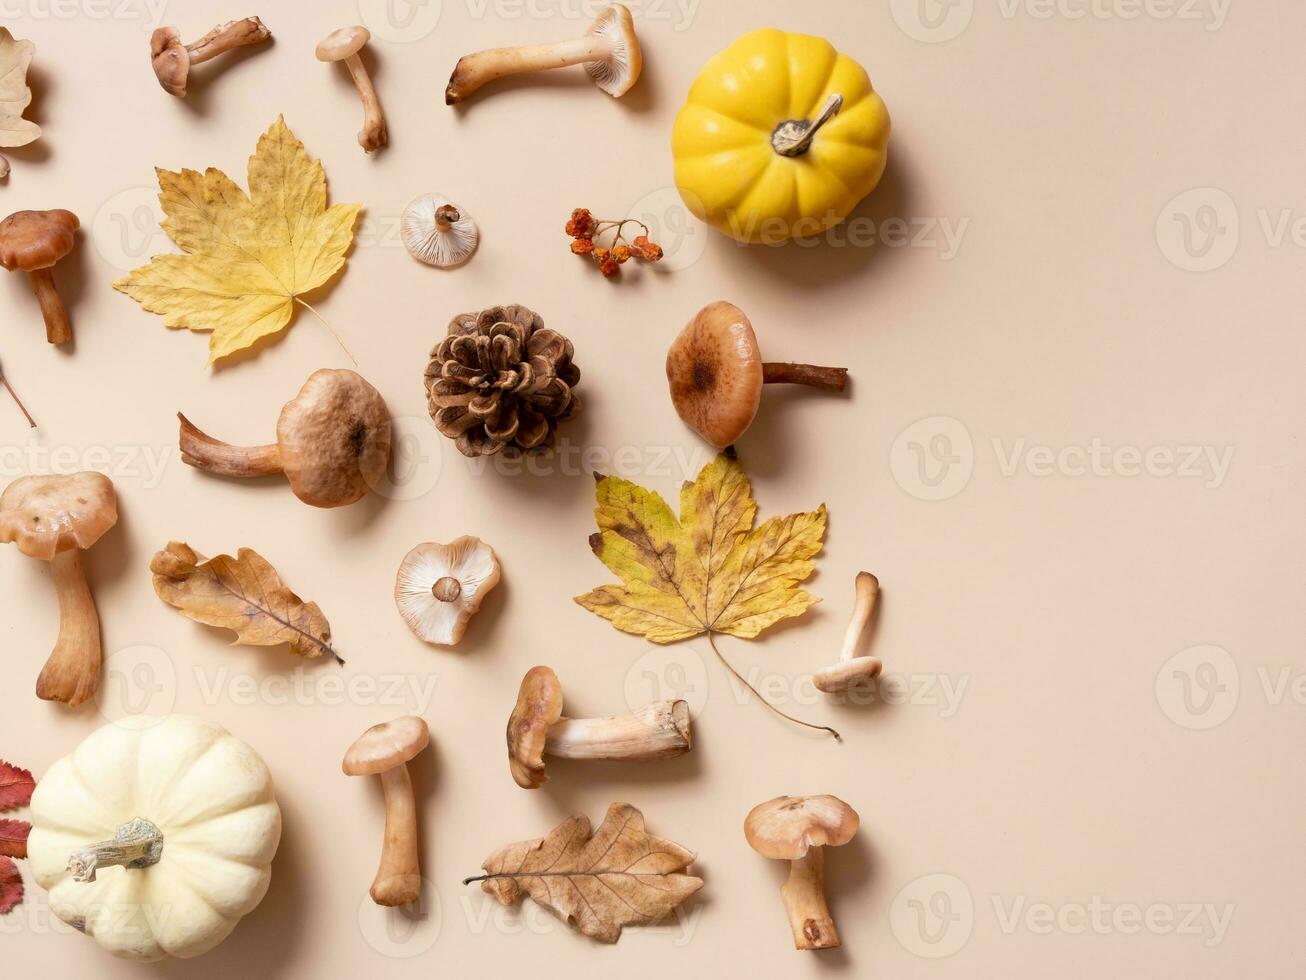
(16, 786)
(13, 838)
(11, 886)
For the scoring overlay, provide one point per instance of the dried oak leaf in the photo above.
(11, 886)
(15, 96)
(248, 258)
(16, 786)
(13, 838)
(620, 876)
(244, 594)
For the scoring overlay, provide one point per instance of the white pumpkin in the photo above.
(196, 824)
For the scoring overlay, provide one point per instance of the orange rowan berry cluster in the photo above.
(584, 228)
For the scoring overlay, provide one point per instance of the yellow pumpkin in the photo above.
(780, 138)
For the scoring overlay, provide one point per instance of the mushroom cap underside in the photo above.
(45, 515)
(428, 241)
(619, 72)
(538, 708)
(434, 611)
(787, 827)
(384, 746)
(714, 371)
(32, 240)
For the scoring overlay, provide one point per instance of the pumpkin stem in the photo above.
(136, 844)
(794, 137)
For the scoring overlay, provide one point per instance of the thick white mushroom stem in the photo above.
(202, 451)
(136, 844)
(58, 330)
(373, 135)
(72, 673)
(804, 898)
(399, 878)
(660, 730)
(225, 37)
(867, 588)
(476, 70)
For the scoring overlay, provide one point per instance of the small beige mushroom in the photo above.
(798, 829)
(345, 45)
(609, 50)
(852, 670)
(385, 750)
(440, 587)
(536, 728)
(172, 60)
(438, 232)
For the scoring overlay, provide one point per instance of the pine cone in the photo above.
(502, 381)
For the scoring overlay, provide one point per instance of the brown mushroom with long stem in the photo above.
(345, 45)
(55, 519)
(609, 50)
(34, 242)
(536, 728)
(333, 442)
(172, 60)
(798, 829)
(716, 372)
(385, 750)
(852, 670)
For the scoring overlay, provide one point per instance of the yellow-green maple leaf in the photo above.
(247, 258)
(710, 571)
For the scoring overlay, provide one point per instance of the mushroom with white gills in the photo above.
(333, 442)
(609, 50)
(172, 60)
(34, 242)
(440, 587)
(438, 232)
(385, 750)
(536, 728)
(716, 372)
(798, 829)
(851, 670)
(55, 519)
(344, 45)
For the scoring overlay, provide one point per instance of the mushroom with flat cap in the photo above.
(344, 45)
(797, 829)
(438, 232)
(33, 242)
(851, 670)
(172, 59)
(385, 750)
(716, 372)
(333, 442)
(440, 587)
(609, 50)
(536, 728)
(55, 519)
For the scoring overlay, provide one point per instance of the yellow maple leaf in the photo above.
(247, 258)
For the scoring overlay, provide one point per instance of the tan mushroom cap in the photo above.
(170, 59)
(343, 43)
(539, 706)
(45, 515)
(619, 73)
(334, 439)
(384, 746)
(714, 369)
(847, 673)
(787, 827)
(33, 240)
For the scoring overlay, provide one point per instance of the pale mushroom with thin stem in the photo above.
(609, 50)
(385, 750)
(852, 670)
(34, 242)
(55, 519)
(536, 728)
(798, 829)
(172, 60)
(440, 587)
(438, 232)
(344, 45)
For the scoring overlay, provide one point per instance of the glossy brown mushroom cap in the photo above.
(334, 439)
(45, 515)
(384, 746)
(714, 370)
(787, 827)
(539, 706)
(171, 60)
(343, 43)
(32, 240)
(618, 73)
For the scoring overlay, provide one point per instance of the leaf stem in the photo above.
(711, 639)
(17, 401)
(334, 332)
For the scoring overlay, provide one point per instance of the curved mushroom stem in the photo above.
(206, 453)
(868, 590)
(399, 878)
(660, 730)
(57, 328)
(794, 137)
(136, 844)
(787, 373)
(373, 135)
(72, 673)
(804, 898)
(475, 70)
(225, 37)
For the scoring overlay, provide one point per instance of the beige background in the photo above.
(1065, 771)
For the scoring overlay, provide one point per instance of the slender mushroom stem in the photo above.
(399, 878)
(786, 373)
(57, 328)
(660, 730)
(225, 37)
(373, 135)
(794, 137)
(804, 897)
(476, 70)
(136, 844)
(868, 590)
(72, 672)
(202, 451)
